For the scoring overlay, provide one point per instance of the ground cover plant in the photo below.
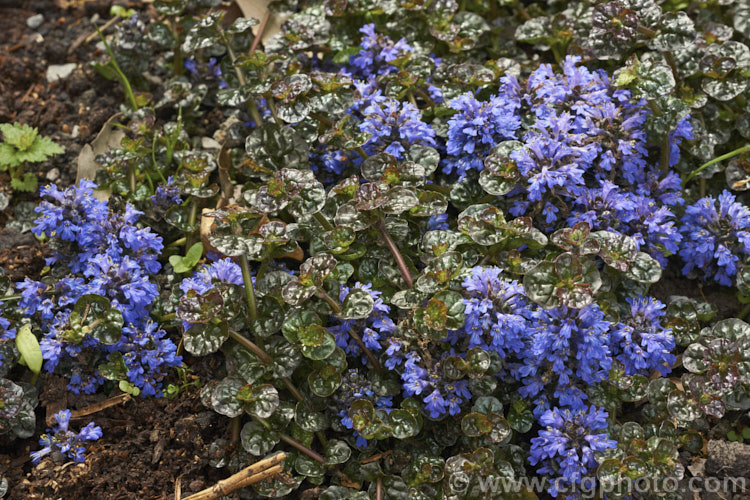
(425, 245)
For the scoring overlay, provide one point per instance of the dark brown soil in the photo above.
(148, 444)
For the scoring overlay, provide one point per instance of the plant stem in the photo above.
(723, 157)
(367, 351)
(301, 447)
(400, 262)
(323, 221)
(236, 428)
(177, 243)
(10, 298)
(330, 301)
(292, 442)
(362, 152)
(249, 290)
(120, 75)
(192, 217)
(272, 106)
(251, 107)
(251, 346)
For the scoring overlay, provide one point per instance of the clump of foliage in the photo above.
(422, 241)
(23, 145)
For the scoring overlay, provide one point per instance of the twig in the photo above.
(257, 472)
(379, 489)
(97, 407)
(376, 457)
(178, 489)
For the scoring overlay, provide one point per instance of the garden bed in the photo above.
(418, 248)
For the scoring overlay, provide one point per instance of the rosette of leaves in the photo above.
(485, 425)
(486, 226)
(373, 423)
(721, 356)
(640, 455)
(17, 404)
(93, 316)
(22, 144)
(568, 280)
(271, 148)
(235, 232)
(444, 311)
(618, 388)
(725, 69)
(500, 173)
(296, 191)
(195, 169)
(685, 316)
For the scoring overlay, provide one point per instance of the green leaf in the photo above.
(257, 440)
(337, 452)
(205, 338)
(644, 269)
(28, 346)
(185, 264)
(260, 401)
(29, 182)
(358, 304)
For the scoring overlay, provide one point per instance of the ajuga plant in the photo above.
(429, 244)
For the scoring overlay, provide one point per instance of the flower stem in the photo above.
(323, 221)
(120, 75)
(723, 157)
(330, 301)
(367, 351)
(249, 290)
(292, 442)
(400, 262)
(251, 346)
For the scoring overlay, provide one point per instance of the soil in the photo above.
(148, 444)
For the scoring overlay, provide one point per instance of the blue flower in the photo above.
(394, 126)
(639, 341)
(715, 238)
(64, 440)
(376, 52)
(476, 128)
(566, 448)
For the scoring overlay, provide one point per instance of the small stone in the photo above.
(208, 143)
(59, 71)
(53, 174)
(196, 485)
(76, 132)
(34, 22)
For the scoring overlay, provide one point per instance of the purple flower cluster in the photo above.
(62, 440)
(476, 127)
(394, 126)
(426, 380)
(99, 252)
(497, 315)
(715, 238)
(639, 341)
(373, 330)
(376, 54)
(566, 449)
(355, 387)
(566, 349)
